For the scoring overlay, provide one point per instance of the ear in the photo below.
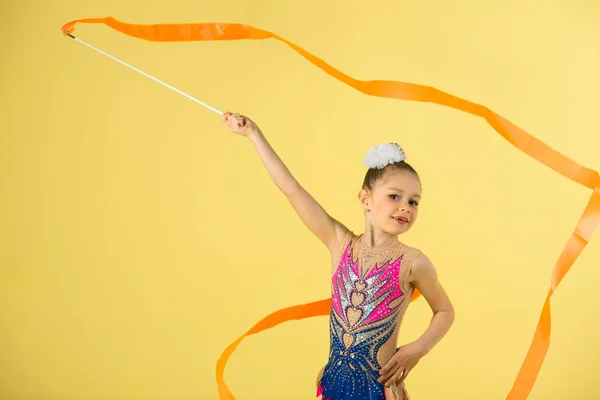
(364, 197)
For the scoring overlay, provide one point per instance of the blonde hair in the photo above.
(374, 175)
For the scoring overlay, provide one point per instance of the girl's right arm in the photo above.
(329, 231)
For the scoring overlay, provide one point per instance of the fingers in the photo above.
(225, 118)
(404, 375)
(398, 377)
(383, 372)
(241, 121)
(387, 374)
(235, 121)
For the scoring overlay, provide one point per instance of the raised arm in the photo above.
(317, 220)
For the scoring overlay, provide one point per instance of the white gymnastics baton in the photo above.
(147, 75)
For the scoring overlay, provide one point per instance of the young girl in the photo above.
(374, 274)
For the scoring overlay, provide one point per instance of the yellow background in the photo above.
(140, 237)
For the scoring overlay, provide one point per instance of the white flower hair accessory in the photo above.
(383, 155)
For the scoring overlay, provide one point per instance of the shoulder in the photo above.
(422, 268)
(409, 254)
(341, 234)
(343, 238)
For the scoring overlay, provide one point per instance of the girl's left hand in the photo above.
(401, 363)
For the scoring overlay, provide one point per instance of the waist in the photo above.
(373, 355)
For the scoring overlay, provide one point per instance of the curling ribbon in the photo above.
(404, 91)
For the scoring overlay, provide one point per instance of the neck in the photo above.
(376, 239)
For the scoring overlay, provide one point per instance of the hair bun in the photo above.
(384, 154)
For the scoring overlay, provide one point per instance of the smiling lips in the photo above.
(401, 220)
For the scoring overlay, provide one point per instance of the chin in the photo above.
(404, 229)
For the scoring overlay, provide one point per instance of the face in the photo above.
(394, 202)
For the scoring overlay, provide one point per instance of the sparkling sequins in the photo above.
(357, 298)
(348, 339)
(365, 311)
(353, 314)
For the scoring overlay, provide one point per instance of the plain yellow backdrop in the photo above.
(140, 237)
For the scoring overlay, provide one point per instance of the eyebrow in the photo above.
(402, 191)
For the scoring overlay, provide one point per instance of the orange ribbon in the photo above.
(405, 91)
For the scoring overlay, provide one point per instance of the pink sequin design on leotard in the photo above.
(364, 315)
(380, 286)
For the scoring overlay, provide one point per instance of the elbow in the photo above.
(447, 313)
(451, 316)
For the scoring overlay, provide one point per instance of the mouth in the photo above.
(401, 220)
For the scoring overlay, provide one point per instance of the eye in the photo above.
(394, 196)
(414, 203)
